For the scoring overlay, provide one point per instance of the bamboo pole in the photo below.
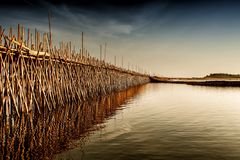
(122, 61)
(35, 37)
(28, 37)
(1, 30)
(10, 32)
(31, 42)
(105, 51)
(22, 34)
(50, 31)
(18, 33)
(38, 41)
(100, 52)
(82, 43)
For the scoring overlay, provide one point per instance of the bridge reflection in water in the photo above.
(51, 132)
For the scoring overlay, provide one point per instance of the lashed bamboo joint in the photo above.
(35, 76)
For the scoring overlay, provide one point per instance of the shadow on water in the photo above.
(51, 132)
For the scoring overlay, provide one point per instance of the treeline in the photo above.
(222, 75)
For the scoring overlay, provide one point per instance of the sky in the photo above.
(176, 38)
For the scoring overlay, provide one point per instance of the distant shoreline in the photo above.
(216, 79)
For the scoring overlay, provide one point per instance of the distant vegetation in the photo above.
(222, 75)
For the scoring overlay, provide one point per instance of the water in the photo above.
(40, 136)
(167, 121)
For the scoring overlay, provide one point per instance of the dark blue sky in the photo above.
(173, 38)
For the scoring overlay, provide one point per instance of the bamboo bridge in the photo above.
(36, 76)
(44, 90)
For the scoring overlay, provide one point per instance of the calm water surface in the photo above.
(168, 121)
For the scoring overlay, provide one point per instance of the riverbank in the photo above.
(204, 81)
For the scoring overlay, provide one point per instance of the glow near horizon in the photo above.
(178, 43)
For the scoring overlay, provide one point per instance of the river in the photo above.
(166, 121)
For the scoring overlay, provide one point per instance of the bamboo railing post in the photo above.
(50, 31)
(100, 52)
(10, 33)
(70, 50)
(18, 33)
(82, 43)
(1, 30)
(22, 34)
(122, 61)
(44, 42)
(105, 52)
(31, 42)
(37, 45)
(35, 37)
(28, 37)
